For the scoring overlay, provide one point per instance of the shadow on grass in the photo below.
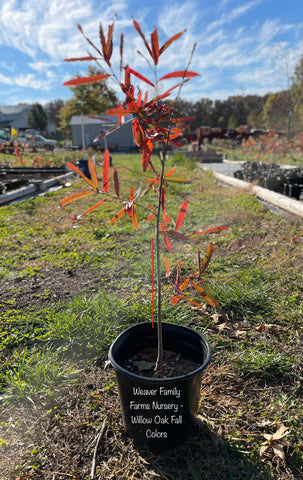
(205, 456)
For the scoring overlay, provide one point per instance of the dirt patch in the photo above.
(52, 286)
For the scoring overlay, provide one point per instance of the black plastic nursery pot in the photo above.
(83, 166)
(159, 413)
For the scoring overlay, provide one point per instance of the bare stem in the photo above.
(159, 362)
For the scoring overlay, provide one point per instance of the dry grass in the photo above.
(253, 384)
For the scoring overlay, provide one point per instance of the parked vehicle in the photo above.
(42, 142)
(36, 141)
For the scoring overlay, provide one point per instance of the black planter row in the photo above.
(287, 181)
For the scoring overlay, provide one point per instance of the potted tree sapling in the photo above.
(158, 364)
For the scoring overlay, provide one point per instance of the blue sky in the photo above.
(243, 46)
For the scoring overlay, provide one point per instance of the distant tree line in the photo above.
(281, 111)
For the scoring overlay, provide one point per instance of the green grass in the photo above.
(263, 362)
(255, 273)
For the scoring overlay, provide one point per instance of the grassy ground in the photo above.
(66, 290)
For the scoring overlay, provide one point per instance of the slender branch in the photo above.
(93, 470)
(159, 362)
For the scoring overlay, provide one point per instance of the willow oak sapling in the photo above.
(153, 122)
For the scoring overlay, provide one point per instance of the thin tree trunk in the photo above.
(159, 362)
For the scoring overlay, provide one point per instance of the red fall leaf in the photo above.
(106, 163)
(138, 75)
(85, 80)
(179, 221)
(179, 74)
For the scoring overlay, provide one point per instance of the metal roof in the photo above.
(87, 120)
(13, 109)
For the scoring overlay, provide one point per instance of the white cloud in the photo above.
(38, 26)
(230, 49)
(231, 14)
(8, 66)
(25, 80)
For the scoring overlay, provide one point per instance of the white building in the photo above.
(85, 129)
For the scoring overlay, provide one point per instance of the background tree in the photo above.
(276, 111)
(254, 107)
(89, 99)
(297, 96)
(290, 79)
(53, 109)
(202, 110)
(37, 117)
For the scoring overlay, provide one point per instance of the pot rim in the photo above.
(166, 380)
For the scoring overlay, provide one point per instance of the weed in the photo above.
(36, 376)
(264, 362)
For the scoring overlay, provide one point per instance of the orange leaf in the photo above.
(118, 215)
(131, 193)
(179, 73)
(168, 174)
(80, 59)
(137, 74)
(137, 27)
(106, 162)
(179, 221)
(197, 304)
(175, 132)
(98, 117)
(167, 243)
(209, 230)
(138, 133)
(164, 224)
(93, 173)
(170, 41)
(119, 111)
(94, 207)
(107, 45)
(85, 80)
(139, 99)
(74, 196)
(184, 284)
(207, 258)
(177, 235)
(163, 202)
(103, 42)
(73, 167)
(135, 217)
(155, 45)
(150, 217)
(147, 151)
(167, 266)
(175, 299)
(203, 293)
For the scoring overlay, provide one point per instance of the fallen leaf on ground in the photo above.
(275, 442)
